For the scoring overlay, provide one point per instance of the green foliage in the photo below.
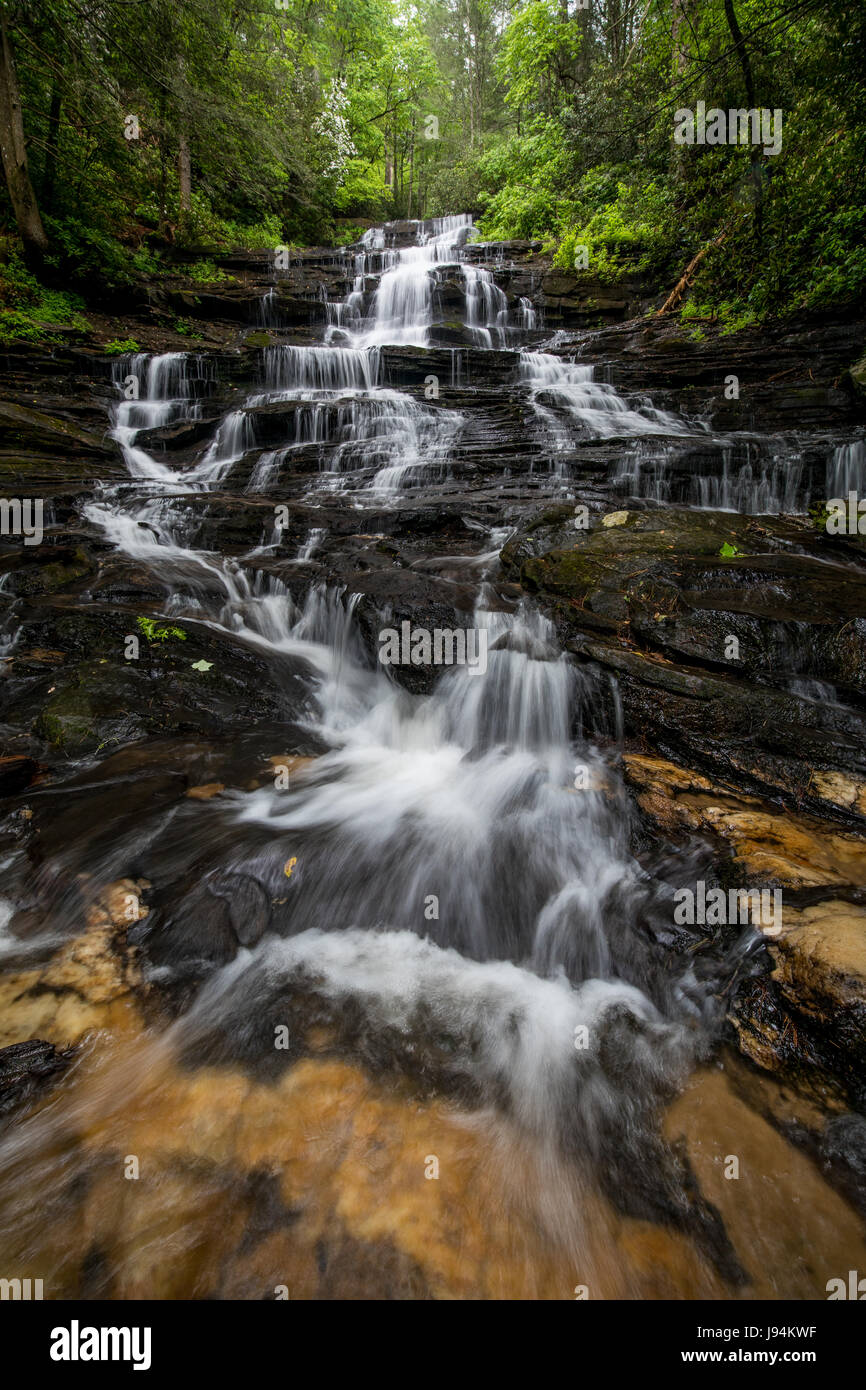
(543, 120)
(730, 551)
(819, 515)
(160, 632)
(207, 273)
(520, 182)
(593, 163)
(92, 252)
(118, 346)
(631, 232)
(731, 314)
(536, 48)
(31, 313)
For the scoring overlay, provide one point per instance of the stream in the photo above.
(405, 1011)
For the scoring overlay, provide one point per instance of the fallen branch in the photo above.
(682, 284)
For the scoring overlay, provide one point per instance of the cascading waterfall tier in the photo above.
(440, 879)
(465, 796)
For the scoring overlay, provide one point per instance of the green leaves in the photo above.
(160, 632)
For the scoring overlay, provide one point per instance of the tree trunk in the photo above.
(680, 35)
(14, 155)
(389, 168)
(162, 167)
(54, 113)
(749, 82)
(411, 170)
(184, 174)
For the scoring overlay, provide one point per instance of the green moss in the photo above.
(569, 572)
(67, 719)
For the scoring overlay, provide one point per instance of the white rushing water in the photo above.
(465, 797)
(573, 404)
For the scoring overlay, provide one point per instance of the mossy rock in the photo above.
(54, 575)
(67, 719)
(856, 376)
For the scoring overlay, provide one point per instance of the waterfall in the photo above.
(846, 469)
(737, 475)
(486, 307)
(402, 311)
(171, 383)
(570, 402)
(288, 369)
(528, 316)
(234, 437)
(454, 884)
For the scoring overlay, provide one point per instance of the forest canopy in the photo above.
(130, 127)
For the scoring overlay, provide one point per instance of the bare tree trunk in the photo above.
(679, 35)
(411, 169)
(389, 168)
(749, 82)
(581, 19)
(680, 31)
(54, 114)
(14, 154)
(164, 231)
(184, 174)
(394, 161)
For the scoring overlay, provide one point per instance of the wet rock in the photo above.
(717, 1130)
(205, 792)
(713, 652)
(28, 1069)
(805, 1020)
(47, 569)
(249, 905)
(857, 377)
(792, 373)
(16, 773)
(821, 969)
(96, 700)
(89, 983)
(795, 851)
(844, 1140)
(21, 427)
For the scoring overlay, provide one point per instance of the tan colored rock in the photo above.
(291, 761)
(773, 848)
(792, 1232)
(88, 983)
(840, 790)
(348, 1155)
(821, 958)
(205, 792)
